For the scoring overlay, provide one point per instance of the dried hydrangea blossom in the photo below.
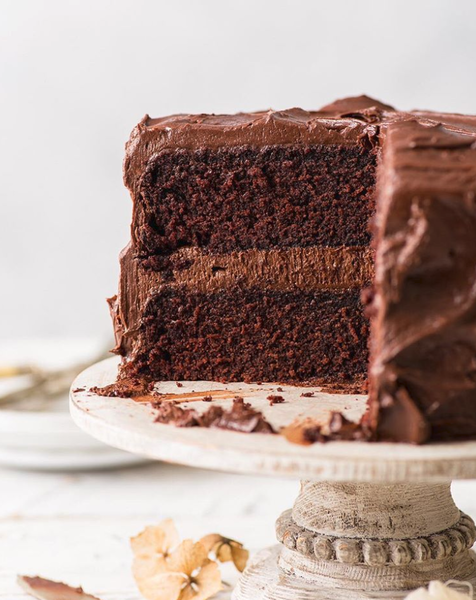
(191, 576)
(166, 570)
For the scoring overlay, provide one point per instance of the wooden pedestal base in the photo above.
(363, 540)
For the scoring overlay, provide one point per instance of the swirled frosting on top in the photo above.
(347, 122)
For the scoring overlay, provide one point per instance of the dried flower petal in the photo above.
(239, 556)
(151, 549)
(226, 550)
(207, 583)
(191, 576)
(188, 557)
(163, 586)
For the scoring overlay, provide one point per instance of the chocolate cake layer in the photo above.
(252, 335)
(224, 199)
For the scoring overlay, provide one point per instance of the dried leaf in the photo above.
(226, 550)
(151, 549)
(206, 583)
(45, 589)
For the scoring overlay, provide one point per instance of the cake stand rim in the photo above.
(130, 426)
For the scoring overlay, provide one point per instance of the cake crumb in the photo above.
(207, 399)
(140, 390)
(275, 399)
(338, 427)
(279, 389)
(307, 395)
(178, 384)
(241, 417)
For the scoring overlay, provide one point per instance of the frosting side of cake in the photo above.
(423, 367)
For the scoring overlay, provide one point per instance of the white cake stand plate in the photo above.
(371, 520)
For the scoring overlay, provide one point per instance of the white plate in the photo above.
(48, 439)
(43, 430)
(101, 458)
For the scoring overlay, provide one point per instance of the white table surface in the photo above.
(76, 527)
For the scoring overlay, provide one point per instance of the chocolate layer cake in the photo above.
(266, 246)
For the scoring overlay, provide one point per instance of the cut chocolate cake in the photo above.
(255, 239)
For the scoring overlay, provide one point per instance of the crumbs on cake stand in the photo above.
(141, 390)
(273, 399)
(337, 428)
(240, 417)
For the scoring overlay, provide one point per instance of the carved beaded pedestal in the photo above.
(359, 539)
(370, 521)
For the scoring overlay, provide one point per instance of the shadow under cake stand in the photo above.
(370, 521)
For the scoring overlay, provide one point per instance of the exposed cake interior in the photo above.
(253, 259)
(256, 335)
(229, 199)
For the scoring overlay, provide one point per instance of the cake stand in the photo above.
(370, 521)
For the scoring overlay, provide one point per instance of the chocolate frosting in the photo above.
(266, 128)
(423, 348)
(423, 370)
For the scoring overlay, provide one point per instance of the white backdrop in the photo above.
(76, 75)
